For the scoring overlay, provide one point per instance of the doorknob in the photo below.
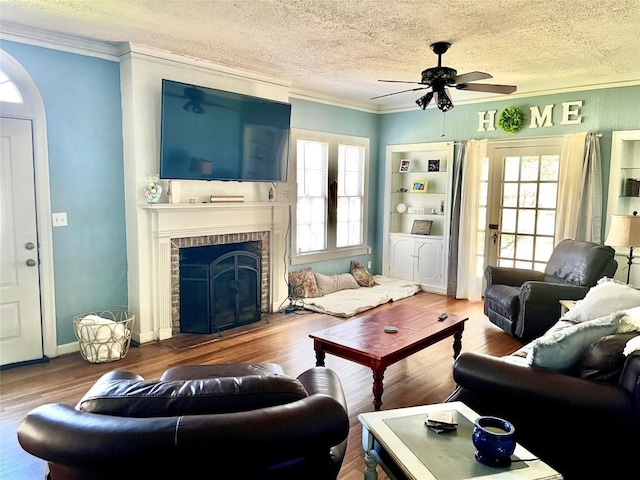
(29, 246)
(31, 262)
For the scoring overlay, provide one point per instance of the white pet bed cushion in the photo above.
(346, 303)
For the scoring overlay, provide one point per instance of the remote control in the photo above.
(442, 316)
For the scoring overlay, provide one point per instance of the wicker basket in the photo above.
(104, 336)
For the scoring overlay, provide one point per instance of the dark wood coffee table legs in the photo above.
(320, 354)
(378, 388)
(457, 341)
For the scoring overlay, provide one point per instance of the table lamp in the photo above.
(625, 232)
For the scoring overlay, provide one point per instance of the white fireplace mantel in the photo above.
(192, 220)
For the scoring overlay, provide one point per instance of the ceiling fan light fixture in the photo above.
(444, 102)
(423, 102)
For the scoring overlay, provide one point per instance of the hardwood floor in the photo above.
(423, 378)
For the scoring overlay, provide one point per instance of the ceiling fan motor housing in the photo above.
(439, 74)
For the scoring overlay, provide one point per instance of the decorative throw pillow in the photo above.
(361, 274)
(632, 346)
(604, 360)
(606, 297)
(631, 321)
(334, 283)
(302, 284)
(560, 350)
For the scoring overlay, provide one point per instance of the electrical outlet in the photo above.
(369, 264)
(59, 219)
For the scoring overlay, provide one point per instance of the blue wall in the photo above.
(84, 127)
(84, 120)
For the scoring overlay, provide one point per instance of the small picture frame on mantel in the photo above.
(421, 227)
(433, 165)
(405, 165)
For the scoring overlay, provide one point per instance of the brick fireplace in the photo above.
(239, 239)
(175, 226)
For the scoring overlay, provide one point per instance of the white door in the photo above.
(20, 315)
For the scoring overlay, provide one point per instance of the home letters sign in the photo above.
(570, 116)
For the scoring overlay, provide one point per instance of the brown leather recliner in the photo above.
(213, 421)
(526, 303)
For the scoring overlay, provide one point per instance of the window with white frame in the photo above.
(331, 213)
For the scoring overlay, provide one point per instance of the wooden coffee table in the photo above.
(364, 341)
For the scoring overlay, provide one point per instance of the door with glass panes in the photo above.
(520, 186)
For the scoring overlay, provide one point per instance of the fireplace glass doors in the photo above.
(219, 287)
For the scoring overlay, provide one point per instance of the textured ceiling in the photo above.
(340, 48)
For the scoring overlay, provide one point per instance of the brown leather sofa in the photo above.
(201, 421)
(584, 422)
(526, 303)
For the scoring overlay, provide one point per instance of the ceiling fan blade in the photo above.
(471, 77)
(479, 87)
(400, 81)
(401, 91)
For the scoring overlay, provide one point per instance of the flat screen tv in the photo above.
(209, 134)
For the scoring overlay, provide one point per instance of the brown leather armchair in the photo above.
(230, 421)
(526, 303)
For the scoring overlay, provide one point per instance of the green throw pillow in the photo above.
(560, 350)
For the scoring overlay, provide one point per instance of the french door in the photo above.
(518, 203)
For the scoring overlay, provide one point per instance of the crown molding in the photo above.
(318, 97)
(58, 41)
(169, 58)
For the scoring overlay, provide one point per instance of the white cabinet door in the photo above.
(428, 262)
(401, 251)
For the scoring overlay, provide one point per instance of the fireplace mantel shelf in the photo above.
(196, 206)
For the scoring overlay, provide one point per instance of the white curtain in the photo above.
(470, 263)
(589, 226)
(569, 185)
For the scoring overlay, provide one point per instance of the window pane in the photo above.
(546, 222)
(529, 168)
(524, 247)
(528, 195)
(484, 175)
(484, 189)
(482, 218)
(8, 91)
(549, 166)
(511, 169)
(544, 248)
(548, 195)
(507, 246)
(527, 221)
(350, 195)
(510, 195)
(509, 220)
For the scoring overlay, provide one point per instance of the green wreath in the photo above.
(511, 120)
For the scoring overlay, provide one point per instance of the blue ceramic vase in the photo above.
(494, 439)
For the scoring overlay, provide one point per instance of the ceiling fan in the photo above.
(440, 78)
